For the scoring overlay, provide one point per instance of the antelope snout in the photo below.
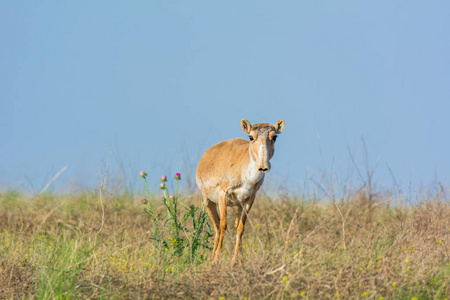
(263, 170)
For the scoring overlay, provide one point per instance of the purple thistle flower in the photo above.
(163, 178)
(144, 201)
(177, 176)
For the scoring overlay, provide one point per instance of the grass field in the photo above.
(77, 247)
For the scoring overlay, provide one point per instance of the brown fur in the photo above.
(224, 162)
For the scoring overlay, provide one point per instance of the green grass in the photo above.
(53, 247)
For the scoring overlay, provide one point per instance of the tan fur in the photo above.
(231, 172)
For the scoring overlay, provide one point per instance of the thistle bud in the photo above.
(144, 201)
(143, 174)
(177, 176)
(164, 178)
(162, 186)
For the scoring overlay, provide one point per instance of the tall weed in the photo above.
(183, 233)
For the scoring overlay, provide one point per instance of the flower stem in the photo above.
(148, 195)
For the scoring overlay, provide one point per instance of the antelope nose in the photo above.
(264, 170)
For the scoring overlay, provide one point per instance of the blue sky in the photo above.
(158, 82)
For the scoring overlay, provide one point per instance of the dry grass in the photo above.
(51, 247)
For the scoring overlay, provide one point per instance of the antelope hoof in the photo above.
(236, 261)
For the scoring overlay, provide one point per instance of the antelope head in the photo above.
(262, 138)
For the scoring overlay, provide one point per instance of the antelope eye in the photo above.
(250, 138)
(274, 138)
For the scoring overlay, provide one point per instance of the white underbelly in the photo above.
(236, 196)
(243, 192)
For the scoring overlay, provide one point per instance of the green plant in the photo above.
(180, 235)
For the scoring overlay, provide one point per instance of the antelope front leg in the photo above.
(223, 222)
(240, 230)
(238, 215)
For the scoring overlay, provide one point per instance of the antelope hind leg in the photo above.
(223, 223)
(211, 208)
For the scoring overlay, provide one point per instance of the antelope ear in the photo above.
(246, 126)
(279, 126)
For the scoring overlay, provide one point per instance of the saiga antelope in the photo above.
(230, 173)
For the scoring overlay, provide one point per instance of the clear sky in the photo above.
(158, 82)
